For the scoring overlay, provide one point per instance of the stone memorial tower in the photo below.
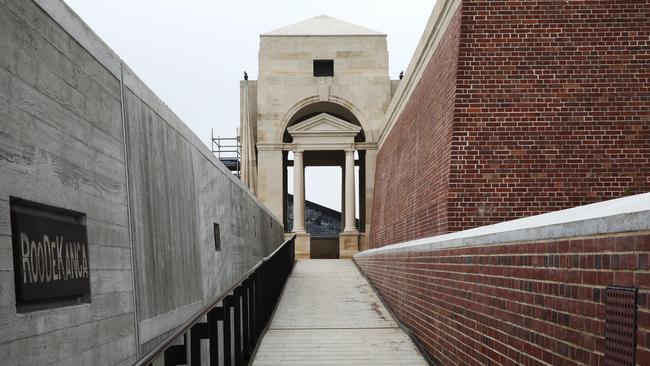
(322, 92)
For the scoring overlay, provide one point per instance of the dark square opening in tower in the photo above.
(323, 67)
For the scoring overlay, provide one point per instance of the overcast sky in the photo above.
(192, 53)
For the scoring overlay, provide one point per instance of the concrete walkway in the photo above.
(329, 315)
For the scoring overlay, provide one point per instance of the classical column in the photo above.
(298, 193)
(350, 224)
(343, 196)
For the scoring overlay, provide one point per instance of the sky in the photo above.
(193, 53)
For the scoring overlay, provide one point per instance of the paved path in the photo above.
(329, 315)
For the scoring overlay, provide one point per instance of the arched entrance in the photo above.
(325, 134)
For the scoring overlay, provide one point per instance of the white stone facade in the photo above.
(287, 94)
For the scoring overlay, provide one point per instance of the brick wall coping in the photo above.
(614, 216)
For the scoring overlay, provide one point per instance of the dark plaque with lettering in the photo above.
(50, 255)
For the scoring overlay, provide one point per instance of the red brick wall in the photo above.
(552, 107)
(538, 303)
(412, 179)
(551, 110)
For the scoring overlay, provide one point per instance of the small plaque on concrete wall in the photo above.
(217, 237)
(50, 250)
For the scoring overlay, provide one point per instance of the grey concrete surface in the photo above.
(164, 206)
(151, 193)
(61, 144)
(329, 315)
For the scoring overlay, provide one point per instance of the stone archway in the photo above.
(325, 134)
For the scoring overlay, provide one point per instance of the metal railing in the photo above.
(245, 310)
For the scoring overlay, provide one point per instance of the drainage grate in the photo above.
(620, 326)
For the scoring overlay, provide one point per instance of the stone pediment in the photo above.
(324, 125)
(323, 25)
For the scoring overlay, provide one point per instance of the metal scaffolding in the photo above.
(228, 151)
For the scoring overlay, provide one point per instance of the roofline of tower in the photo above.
(322, 35)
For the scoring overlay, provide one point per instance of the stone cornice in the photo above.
(320, 35)
(435, 29)
(271, 147)
(291, 147)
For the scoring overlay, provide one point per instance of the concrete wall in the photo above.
(178, 190)
(525, 292)
(62, 144)
(65, 141)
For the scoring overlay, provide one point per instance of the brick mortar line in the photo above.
(580, 285)
(521, 254)
(526, 304)
(544, 321)
(481, 334)
(529, 279)
(522, 316)
(504, 310)
(520, 291)
(537, 267)
(397, 321)
(406, 304)
(450, 330)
